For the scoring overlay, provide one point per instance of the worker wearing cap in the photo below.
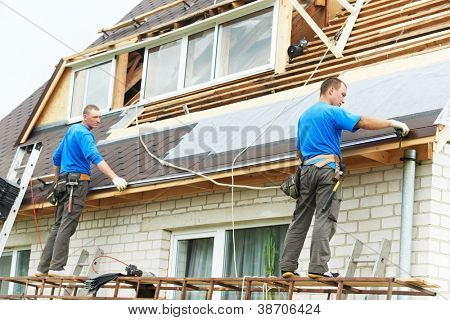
(318, 142)
(72, 166)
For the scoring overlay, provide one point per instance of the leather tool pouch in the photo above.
(291, 187)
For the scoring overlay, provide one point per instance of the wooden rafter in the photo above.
(343, 38)
(141, 18)
(347, 6)
(316, 28)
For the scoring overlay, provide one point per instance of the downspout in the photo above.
(406, 228)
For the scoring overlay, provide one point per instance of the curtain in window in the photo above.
(257, 253)
(245, 43)
(22, 265)
(194, 260)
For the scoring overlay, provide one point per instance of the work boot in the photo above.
(59, 273)
(327, 274)
(40, 274)
(289, 274)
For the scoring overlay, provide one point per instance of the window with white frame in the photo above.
(14, 264)
(93, 85)
(245, 43)
(163, 67)
(194, 260)
(199, 58)
(238, 47)
(211, 254)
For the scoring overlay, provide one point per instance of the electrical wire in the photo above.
(105, 256)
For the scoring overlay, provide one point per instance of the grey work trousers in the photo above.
(56, 250)
(316, 184)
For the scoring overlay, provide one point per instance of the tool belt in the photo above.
(59, 189)
(327, 158)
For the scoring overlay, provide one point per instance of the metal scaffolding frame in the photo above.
(68, 288)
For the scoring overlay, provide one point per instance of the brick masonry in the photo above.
(370, 211)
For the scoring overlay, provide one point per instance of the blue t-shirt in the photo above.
(320, 128)
(77, 150)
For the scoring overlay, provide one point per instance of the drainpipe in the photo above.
(406, 228)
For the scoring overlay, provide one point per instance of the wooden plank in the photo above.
(120, 80)
(141, 18)
(347, 6)
(382, 156)
(316, 28)
(283, 37)
(340, 45)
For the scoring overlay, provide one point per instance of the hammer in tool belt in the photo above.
(339, 178)
(71, 182)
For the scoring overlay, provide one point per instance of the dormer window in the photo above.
(92, 85)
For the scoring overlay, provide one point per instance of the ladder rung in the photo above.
(364, 260)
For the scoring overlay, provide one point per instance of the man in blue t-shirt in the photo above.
(72, 167)
(318, 143)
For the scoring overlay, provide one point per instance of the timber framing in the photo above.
(410, 31)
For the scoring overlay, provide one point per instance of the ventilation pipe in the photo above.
(406, 228)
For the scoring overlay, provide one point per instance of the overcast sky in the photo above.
(28, 55)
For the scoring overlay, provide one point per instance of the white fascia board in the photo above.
(179, 33)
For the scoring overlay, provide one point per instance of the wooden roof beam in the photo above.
(347, 6)
(316, 28)
(343, 38)
(141, 18)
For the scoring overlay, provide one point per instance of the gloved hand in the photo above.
(400, 126)
(120, 183)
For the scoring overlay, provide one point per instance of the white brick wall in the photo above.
(370, 211)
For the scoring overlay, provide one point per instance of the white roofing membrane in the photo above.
(401, 93)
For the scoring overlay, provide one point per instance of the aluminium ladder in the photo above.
(34, 150)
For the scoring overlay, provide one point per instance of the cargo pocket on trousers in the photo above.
(335, 205)
(79, 193)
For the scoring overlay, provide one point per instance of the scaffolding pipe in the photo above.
(406, 228)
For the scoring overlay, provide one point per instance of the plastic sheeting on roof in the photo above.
(394, 95)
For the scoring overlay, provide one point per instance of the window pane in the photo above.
(194, 260)
(162, 69)
(98, 85)
(22, 264)
(257, 254)
(97, 92)
(199, 58)
(5, 271)
(245, 43)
